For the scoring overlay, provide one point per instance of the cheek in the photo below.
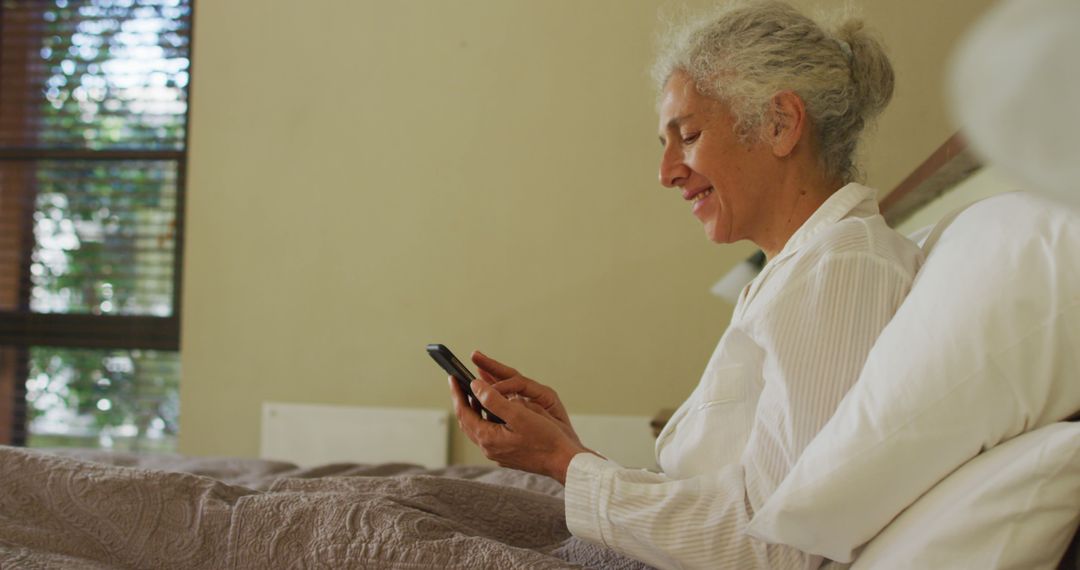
(726, 208)
(706, 160)
(696, 160)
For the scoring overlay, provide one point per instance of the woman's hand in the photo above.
(510, 383)
(533, 438)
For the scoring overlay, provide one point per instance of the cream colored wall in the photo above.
(919, 34)
(368, 177)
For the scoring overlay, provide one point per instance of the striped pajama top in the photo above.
(798, 338)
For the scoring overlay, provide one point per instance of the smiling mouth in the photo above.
(701, 195)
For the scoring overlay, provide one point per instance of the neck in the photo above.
(799, 197)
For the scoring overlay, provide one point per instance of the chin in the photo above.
(717, 235)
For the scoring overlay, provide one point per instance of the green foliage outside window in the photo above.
(105, 230)
(103, 398)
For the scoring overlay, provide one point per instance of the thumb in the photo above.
(495, 402)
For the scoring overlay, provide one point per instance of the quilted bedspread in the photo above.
(103, 510)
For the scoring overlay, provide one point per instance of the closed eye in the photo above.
(689, 139)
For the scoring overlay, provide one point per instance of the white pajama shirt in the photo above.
(799, 336)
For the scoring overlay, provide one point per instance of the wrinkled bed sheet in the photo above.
(93, 509)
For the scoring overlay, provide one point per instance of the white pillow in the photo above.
(1015, 506)
(1024, 121)
(986, 347)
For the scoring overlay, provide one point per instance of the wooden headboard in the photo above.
(949, 165)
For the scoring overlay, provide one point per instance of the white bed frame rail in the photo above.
(315, 434)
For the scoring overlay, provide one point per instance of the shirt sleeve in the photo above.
(816, 334)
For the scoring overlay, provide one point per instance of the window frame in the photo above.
(21, 328)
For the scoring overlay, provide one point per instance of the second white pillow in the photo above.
(986, 347)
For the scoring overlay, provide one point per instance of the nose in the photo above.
(673, 170)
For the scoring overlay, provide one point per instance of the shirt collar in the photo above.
(852, 200)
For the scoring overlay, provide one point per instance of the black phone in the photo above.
(455, 368)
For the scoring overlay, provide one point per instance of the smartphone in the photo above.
(455, 368)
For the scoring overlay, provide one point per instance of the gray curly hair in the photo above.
(748, 51)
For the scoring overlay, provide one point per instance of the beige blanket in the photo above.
(105, 510)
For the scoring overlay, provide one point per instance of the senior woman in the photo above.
(760, 113)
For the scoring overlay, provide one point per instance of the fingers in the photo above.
(522, 386)
(469, 401)
(460, 399)
(472, 425)
(508, 381)
(497, 369)
(540, 410)
(486, 376)
(531, 389)
(495, 402)
(515, 385)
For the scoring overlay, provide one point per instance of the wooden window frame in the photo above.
(21, 329)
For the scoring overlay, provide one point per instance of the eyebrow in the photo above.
(673, 125)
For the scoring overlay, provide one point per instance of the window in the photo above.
(93, 130)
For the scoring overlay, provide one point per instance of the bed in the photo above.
(96, 509)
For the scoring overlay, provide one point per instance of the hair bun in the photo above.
(871, 72)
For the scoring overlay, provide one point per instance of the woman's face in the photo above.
(725, 181)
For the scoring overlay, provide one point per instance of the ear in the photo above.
(786, 123)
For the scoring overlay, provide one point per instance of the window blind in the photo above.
(93, 131)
